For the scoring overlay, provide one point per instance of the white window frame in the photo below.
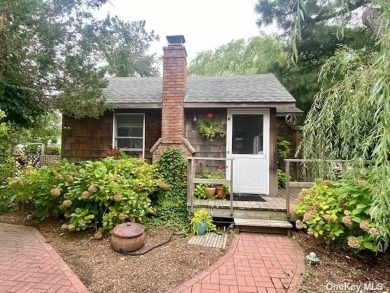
(115, 128)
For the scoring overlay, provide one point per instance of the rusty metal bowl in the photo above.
(128, 237)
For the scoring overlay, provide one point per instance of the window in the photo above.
(247, 134)
(129, 133)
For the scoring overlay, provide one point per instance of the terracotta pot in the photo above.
(127, 237)
(220, 191)
(210, 192)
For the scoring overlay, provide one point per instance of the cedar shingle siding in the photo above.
(89, 139)
(202, 146)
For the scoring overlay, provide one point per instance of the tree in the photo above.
(265, 54)
(283, 13)
(351, 119)
(52, 55)
(125, 46)
(319, 42)
(255, 56)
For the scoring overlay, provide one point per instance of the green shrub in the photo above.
(53, 149)
(199, 191)
(171, 205)
(341, 211)
(97, 194)
(281, 178)
(7, 168)
(7, 161)
(283, 151)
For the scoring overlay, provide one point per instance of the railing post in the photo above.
(192, 187)
(189, 181)
(288, 188)
(231, 187)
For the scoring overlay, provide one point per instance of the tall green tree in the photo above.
(351, 118)
(318, 43)
(254, 56)
(271, 54)
(125, 48)
(283, 13)
(53, 55)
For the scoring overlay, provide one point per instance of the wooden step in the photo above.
(264, 226)
(247, 214)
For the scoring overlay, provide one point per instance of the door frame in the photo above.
(266, 137)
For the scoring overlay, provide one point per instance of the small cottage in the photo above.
(151, 113)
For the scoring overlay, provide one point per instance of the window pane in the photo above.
(128, 120)
(247, 134)
(130, 143)
(130, 131)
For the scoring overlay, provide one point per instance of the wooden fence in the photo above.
(48, 160)
(306, 171)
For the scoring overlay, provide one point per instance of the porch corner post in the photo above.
(288, 188)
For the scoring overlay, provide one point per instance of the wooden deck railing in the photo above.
(305, 175)
(192, 179)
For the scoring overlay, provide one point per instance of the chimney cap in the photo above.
(177, 40)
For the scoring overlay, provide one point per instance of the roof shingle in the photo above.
(201, 89)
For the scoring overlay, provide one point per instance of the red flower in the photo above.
(210, 115)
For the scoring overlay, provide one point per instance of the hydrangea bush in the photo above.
(97, 194)
(340, 211)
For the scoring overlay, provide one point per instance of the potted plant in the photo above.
(210, 191)
(209, 129)
(201, 222)
(219, 174)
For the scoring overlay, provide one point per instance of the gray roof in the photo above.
(137, 90)
(201, 89)
(282, 111)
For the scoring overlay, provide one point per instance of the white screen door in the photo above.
(248, 143)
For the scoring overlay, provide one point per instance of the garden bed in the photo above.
(338, 266)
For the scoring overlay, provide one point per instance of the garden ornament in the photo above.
(312, 258)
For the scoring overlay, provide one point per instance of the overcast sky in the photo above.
(206, 24)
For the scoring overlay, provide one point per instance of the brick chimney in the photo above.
(174, 88)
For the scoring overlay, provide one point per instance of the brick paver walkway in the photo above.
(29, 264)
(254, 263)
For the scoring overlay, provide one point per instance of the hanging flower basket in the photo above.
(209, 129)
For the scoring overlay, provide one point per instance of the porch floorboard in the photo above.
(271, 202)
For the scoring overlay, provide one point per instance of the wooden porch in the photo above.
(273, 208)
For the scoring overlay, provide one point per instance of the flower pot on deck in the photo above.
(209, 192)
(220, 191)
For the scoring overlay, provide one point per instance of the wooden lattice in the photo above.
(48, 160)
